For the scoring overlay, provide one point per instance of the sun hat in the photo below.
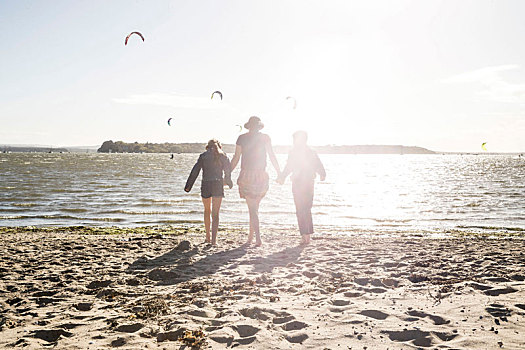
(254, 122)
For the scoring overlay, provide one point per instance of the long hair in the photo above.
(216, 147)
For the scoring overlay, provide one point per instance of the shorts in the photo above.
(214, 188)
(253, 183)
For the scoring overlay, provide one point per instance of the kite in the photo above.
(130, 34)
(216, 92)
(483, 146)
(169, 121)
(240, 127)
(294, 101)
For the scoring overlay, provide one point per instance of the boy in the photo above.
(304, 164)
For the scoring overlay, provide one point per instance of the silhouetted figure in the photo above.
(214, 162)
(304, 164)
(252, 148)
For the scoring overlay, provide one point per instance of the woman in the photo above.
(252, 149)
(213, 163)
(304, 164)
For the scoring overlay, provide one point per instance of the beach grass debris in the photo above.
(152, 307)
(194, 339)
(156, 231)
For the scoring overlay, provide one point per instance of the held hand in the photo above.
(323, 178)
(186, 190)
(280, 180)
(229, 183)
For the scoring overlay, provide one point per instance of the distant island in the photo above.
(136, 147)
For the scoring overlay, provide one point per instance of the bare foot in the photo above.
(305, 240)
(258, 243)
(250, 239)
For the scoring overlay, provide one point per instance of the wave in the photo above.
(492, 228)
(11, 217)
(155, 212)
(74, 210)
(169, 222)
(105, 219)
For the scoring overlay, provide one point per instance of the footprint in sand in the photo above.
(375, 290)
(498, 291)
(71, 325)
(520, 278)
(362, 281)
(438, 320)
(310, 274)
(521, 306)
(171, 335)
(480, 286)
(200, 313)
(498, 310)
(129, 328)
(257, 313)
(418, 337)
(51, 335)
(222, 337)
(245, 341)
(378, 315)
(294, 326)
(99, 284)
(246, 330)
(296, 338)
(16, 301)
(161, 275)
(45, 301)
(45, 293)
(283, 319)
(340, 302)
(118, 342)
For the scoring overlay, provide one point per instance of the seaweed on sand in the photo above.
(152, 307)
(194, 339)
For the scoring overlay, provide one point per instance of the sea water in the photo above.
(376, 193)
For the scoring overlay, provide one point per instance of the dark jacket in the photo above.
(212, 169)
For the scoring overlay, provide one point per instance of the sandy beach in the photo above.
(161, 287)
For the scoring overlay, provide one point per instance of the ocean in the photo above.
(362, 193)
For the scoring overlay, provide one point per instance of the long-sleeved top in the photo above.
(304, 164)
(212, 169)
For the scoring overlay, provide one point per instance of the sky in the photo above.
(444, 75)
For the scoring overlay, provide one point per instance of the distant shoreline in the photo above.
(195, 148)
(123, 147)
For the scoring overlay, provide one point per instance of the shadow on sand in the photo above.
(278, 259)
(178, 265)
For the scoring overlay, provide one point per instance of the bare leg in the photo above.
(251, 230)
(207, 212)
(253, 208)
(216, 206)
(303, 198)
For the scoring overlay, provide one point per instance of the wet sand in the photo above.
(67, 289)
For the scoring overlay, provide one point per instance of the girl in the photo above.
(213, 163)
